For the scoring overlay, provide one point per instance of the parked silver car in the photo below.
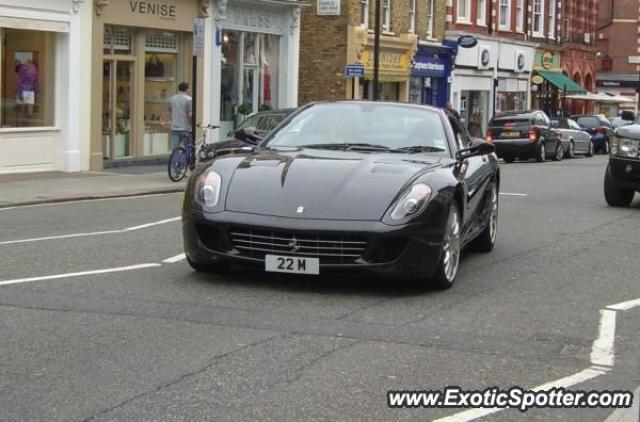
(574, 139)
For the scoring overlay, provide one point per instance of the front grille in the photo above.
(329, 248)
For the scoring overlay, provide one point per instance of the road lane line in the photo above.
(602, 349)
(78, 201)
(98, 233)
(513, 194)
(175, 259)
(566, 382)
(625, 306)
(78, 274)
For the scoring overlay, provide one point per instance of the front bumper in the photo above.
(515, 148)
(625, 172)
(409, 251)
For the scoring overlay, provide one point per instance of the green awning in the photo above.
(560, 81)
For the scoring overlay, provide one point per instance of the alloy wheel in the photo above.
(451, 246)
(493, 218)
(572, 150)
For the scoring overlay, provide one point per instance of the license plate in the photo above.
(291, 264)
(510, 134)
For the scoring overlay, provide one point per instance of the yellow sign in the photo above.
(537, 79)
(547, 60)
(394, 65)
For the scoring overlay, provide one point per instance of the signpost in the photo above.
(354, 70)
(198, 51)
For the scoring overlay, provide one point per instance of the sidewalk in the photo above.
(37, 188)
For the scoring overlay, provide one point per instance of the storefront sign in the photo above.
(161, 9)
(484, 58)
(429, 67)
(328, 8)
(520, 61)
(547, 60)
(247, 18)
(467, 41)
(537, 80)
(355, 70)
(394, 65)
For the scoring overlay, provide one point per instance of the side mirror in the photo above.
(248, 134)
(484, 148)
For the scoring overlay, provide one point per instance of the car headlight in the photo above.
(208, 188)
(411, 202)
(622, 147)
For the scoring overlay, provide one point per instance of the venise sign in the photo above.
(161, 9)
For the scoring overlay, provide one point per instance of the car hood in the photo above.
(629, 132)
(322, 184)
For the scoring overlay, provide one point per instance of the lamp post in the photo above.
(376, 52)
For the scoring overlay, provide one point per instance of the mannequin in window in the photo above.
(26, 90)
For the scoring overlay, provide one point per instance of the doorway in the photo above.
(117, 101)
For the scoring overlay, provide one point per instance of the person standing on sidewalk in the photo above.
(180, 106)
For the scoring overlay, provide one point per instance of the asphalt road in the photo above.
(161, 342)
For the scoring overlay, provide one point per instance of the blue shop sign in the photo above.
(429, 66)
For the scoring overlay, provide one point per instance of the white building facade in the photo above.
(45, 88)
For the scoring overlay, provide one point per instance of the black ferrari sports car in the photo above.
(394, 189)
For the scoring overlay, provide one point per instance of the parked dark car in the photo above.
(574, 139)
(600, 129)
(249, 133)
(387, 188)
(622, 178)
(524, 135)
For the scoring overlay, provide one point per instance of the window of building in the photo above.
(538, 22)
(412, 16)
(505, 14)
(249, 76)
(27, 63)
(463, 11)
(519, 15)
(430, 29)
(552, 19)
(482, 12)
(386, 15)
(364, 13)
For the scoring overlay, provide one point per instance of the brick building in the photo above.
(618, 38)
(414, 66)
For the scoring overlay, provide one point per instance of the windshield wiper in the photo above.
(352, 146)
(421, 148)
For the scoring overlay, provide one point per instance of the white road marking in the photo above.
(514, 194)
(78, 274)
(175, 259)
(602, 349)
(566, 382)
(99, 233)
(72, 201)
(625, 306)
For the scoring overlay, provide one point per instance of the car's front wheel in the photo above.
(615, 195)
(571, 152)
(487, 239)
(590, 151)
(447, 270)
(542, 153)
(559, 152)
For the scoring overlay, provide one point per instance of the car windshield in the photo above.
(367, 126)
(263, 121)
(589, 121)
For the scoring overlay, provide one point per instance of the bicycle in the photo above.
(184, 156)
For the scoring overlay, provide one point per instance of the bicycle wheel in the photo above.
(178, 163)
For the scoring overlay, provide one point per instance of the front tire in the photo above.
(542, 152)
(615, 195)
(487, 239)
(447, 270)
(571, 153)
(559, 152)
(590, 152)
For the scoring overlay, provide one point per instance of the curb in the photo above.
(92, 196)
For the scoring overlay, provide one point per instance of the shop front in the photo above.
(141, 52)
(396, 56)
(43, 123)
(550, 85)
(255, 60)
(430, 75)
(491, 76)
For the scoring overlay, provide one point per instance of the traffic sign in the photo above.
(198, 37)
(354, 70)
(634, 59)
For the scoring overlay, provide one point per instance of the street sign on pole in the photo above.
(198, 37)
(634, 59)
(354, 70)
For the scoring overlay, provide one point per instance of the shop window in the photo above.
(161, 78)
(249, 76)
(27, 78)
(474, 111)
(117, 40)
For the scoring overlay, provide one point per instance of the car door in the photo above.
(476, 175)
(581, 138)
(550, 136)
